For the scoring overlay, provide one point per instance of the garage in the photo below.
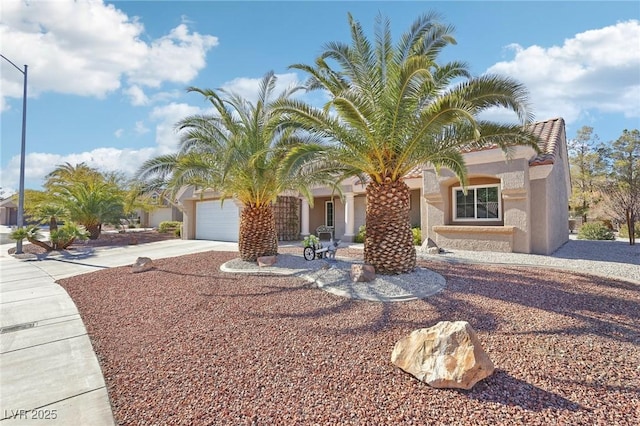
(217, 221)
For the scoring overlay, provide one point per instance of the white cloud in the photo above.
(167, 138)
(39, 164)
(176, 57)
(136, 95)
(248, 87)
(118, 133)
(140, 128)
(596, 70)
(87, 48)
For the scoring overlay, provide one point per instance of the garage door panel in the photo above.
(217, 221)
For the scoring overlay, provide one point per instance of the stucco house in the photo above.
(163, 211)
(515, 204)
(8, 212)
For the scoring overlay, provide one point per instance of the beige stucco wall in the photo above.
(513, 176)
(360, 212)
(550, 210)
(316, 215)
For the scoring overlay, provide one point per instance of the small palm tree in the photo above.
(88, 197)
(92, 204)
(238, 151)
(393, 108)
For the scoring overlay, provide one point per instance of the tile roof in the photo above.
(550, 134)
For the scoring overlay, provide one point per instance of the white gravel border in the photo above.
(335, 277)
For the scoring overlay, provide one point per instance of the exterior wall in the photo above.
(8, 216)
(414, 212)
(161, 214)
(189, 220)
(360, 211)
(550, 210)
(317, 216)
(477, 238)
(513, 176)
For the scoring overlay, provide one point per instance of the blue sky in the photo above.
(107, 79)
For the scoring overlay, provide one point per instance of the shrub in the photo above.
(178, 232)
(362, 232)
(595, 231)
(624, 231)
(311, 241)
(169, 226)
(417, 236)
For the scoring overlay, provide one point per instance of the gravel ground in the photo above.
(188, 344)
(611, 259)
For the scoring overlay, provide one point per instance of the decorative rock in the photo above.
(142, 264)
(267, 260)
(447, 355)
(430, 246)
(362, 273)
(433, 250)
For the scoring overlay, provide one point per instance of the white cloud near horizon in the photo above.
(39, 164)
(98, 53)
(594, 71)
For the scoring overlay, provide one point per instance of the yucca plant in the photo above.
(393, 107)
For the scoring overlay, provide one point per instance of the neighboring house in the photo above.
(8, 212)
(518, 204)
(163, 211)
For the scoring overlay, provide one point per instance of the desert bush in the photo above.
(417, 236)
(595, 231)
(169, 226)
(362, 233)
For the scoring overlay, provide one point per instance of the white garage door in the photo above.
(161, 214)
(214, 222)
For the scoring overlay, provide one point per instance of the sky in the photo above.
(107, 79)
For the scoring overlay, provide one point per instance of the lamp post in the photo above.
(22, 152)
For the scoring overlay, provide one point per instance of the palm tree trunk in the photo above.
(94, 231)
(258, 235)
(388, 244)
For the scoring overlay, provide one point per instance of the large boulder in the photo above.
(447, 355)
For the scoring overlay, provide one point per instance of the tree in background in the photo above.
(588, 171)
(623, 186)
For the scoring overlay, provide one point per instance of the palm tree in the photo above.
(92, 204)
(86, 196)
(393, 108)
(238, 151)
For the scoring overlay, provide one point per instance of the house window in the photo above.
(480, 203)
(328, 213)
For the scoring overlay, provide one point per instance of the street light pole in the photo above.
(22, 151)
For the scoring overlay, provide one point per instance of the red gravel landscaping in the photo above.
(187, 344)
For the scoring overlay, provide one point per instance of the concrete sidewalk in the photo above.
(48, 369)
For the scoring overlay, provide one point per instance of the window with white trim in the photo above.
(328, 213)
(482, 202)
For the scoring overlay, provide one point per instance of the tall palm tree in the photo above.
(238, 151)
(392, 108)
